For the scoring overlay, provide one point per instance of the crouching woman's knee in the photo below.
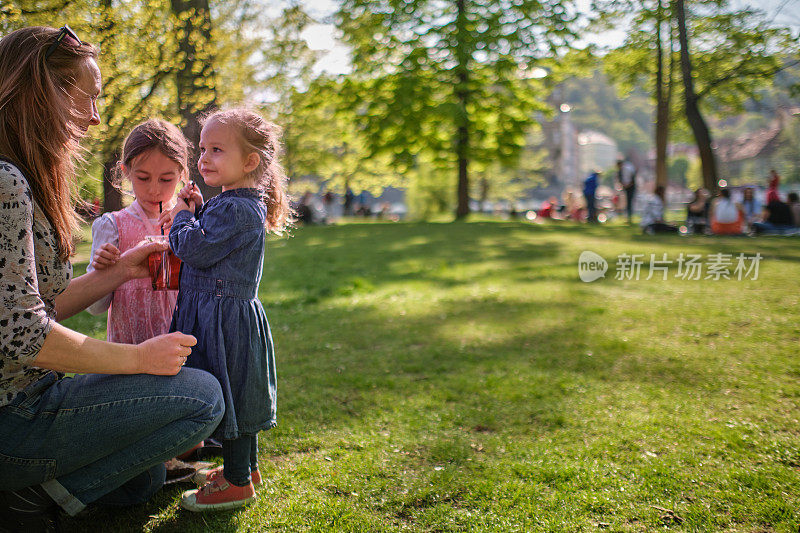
(204, 387)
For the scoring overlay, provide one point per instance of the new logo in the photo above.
(591, 266)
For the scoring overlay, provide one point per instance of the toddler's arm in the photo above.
(207, 241)
(104, 232)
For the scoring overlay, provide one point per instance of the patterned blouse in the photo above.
(31, 276)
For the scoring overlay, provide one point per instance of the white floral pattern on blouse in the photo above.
(31, 276)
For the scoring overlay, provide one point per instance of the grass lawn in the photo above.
(461, 377)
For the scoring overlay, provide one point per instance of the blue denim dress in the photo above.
(222, 249)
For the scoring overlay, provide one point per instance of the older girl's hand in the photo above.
(166, 218)
(164, 355)
(105, 256)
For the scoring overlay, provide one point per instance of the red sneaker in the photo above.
(205, 475)
(217, 495)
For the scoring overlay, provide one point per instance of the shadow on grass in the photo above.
(160, 515)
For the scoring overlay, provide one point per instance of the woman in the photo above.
(727, 217)
(653, 214)
(751, 206)
(103, 435)
(697, 212)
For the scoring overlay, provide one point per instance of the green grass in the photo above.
(460, 377)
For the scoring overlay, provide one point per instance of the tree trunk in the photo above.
(662, 105)
(702, 135)
(112, 197)
(195, 79)
(462, 119)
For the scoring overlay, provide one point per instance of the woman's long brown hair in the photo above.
(39, 129)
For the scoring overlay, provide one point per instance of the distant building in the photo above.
(750, 157)
(561, 141)
(596, 151)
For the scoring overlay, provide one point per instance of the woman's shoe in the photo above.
(188, 453)
(28, 510)
(217, 495)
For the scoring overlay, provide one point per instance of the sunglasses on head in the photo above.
(64, 34)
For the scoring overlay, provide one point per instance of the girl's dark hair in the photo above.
(258, 135)
(154, 134)
(39, 128)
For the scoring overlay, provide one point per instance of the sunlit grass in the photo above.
(460, 377)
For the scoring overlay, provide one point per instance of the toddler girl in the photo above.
(221, 244)
(155, 157)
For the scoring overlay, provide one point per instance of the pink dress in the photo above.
(137, 312)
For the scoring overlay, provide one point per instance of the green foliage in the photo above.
(694, 174)
(431, 191)
(143, 56)
(735, 53)
(425, 69)
(324, 144)
(678, 169)
(497, 181)
(786, 158)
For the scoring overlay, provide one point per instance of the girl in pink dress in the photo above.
(155, 158)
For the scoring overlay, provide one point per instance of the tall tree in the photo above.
(444, 77)
(195, 77)
(663, 92)
(644, 59)
(732, 55)
(694, 116)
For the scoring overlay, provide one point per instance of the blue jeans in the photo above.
(630, 192)
(775, 229)
(90, 436)
(591, 210)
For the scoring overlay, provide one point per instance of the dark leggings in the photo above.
(240, 457)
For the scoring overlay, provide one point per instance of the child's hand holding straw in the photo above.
(189, 198)
(191, 195)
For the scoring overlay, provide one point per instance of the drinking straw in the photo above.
(164, 255)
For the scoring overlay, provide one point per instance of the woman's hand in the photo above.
(134, 261)
(105, 256)
(164, 355)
